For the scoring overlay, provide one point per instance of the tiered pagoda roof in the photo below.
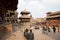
(25, 14)
(24, 17)
(53, 14)
(9, 4)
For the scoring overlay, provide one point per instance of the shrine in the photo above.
(25, 19)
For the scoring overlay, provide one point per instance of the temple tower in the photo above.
(25, 19)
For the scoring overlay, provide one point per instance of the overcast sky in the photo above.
(38, 8)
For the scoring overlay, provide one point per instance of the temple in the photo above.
(5, 16)
(11, 17)
(25, 19)
(53, 19)
(6, 5)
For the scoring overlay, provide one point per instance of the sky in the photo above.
(38, 8)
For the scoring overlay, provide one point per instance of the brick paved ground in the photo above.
(38, 35)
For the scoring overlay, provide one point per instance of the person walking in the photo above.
(44, 29)
(26, 33)
(31, 35)
(48, 29)
(54, 29)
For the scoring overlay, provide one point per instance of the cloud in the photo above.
(51, 1)
(36, 4)
(21, 6)
(33, 6)
(38, 8)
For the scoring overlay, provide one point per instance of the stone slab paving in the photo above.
(38, 35)
(17, 36)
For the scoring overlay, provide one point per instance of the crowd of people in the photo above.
(45, 29)
(29, 35)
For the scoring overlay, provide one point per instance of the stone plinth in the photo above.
(9, 27)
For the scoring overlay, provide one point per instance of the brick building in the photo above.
(53, 19)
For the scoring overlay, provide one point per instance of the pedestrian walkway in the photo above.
(38, 35)
(18, 35)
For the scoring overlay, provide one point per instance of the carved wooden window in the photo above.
(7, 15)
